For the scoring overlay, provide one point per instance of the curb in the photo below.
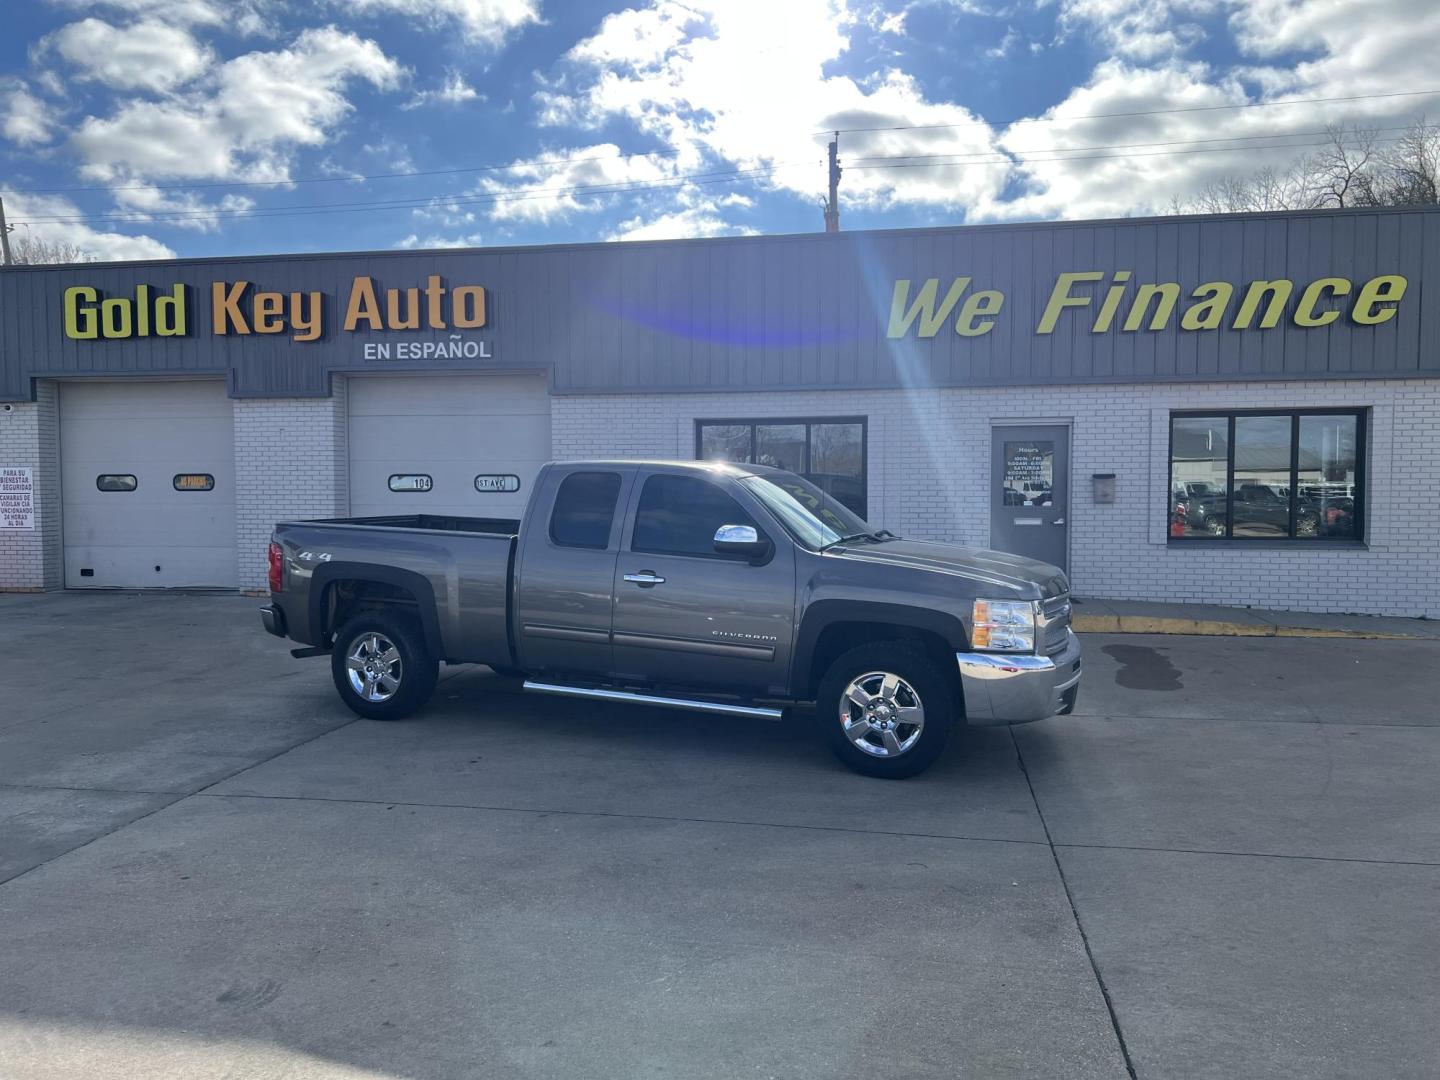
(1154, 624)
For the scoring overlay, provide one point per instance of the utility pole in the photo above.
(832, 206)
(5, 236)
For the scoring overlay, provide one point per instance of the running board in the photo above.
(630, 698)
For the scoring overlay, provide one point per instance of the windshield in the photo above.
(808, 514)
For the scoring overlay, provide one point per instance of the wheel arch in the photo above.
(327, 580)
(831, 628)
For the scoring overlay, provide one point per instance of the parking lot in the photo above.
(1226, 863)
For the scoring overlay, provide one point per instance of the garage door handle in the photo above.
(645, 578)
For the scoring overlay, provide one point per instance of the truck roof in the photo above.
(728, 468)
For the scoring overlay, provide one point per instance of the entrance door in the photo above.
(1030, 491)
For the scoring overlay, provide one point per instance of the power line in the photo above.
(698, 179)
(517, 195)
(513, 166)
(1141, 112)
(1092, 157)
(1119, 146)
(355, 177)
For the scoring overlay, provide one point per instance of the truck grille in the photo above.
(1054, 623)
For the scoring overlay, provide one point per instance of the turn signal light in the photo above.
(277, 568)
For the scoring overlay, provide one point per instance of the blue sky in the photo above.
(146, 128)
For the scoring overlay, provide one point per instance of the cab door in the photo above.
(686, 616)
(566, 570)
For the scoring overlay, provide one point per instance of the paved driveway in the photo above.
(1226, 864)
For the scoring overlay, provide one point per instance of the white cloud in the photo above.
(1141, 29)
(24, 118)
(184, 210)
(1349, 47)
(436, 240)
(244, 16)
(489, 22)
(674, 69)
(20, 208)
(146, 55)
(691, 215)
(244, 120)
(538, 188)
(453, 91)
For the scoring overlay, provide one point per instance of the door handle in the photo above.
(645, 578)
(1058, 521)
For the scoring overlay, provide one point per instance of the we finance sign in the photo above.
(240, 309)
(1102, 301)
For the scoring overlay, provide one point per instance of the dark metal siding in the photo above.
(779, 312)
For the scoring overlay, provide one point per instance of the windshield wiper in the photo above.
(874, 537)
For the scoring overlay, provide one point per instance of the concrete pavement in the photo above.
(209, 868)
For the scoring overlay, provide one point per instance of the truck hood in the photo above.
(1012, 572)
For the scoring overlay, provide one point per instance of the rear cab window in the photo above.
(678, 515)
(584, 510)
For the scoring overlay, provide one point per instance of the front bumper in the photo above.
(1011, 689)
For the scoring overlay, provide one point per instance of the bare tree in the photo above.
(28, 250)
(1354, 168)
(1412, 168)
(1344, 172)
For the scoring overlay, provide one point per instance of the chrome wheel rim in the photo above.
(373, 666)
(881, 714)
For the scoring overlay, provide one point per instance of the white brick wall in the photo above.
(30, 437)
(291, 461)
(929, 468)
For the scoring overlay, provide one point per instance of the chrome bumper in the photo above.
(1009, 689)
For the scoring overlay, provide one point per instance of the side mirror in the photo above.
(741, 540)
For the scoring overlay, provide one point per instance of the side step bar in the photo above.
(630, 698)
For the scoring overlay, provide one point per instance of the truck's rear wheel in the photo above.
(885, 710)
(381, 666)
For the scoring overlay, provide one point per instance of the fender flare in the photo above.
(826, 613)
(417, 585)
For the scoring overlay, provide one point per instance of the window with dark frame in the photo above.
(828, 451)
(1256, 475)
(585, 510)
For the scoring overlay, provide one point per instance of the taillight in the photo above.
(277, 568)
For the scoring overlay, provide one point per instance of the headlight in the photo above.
(1003, 625)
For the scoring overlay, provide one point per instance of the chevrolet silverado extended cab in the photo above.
(726, 589)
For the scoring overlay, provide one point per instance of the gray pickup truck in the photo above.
(726, 589)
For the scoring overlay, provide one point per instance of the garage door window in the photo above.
(193, 481)
(116, 482)
(415, 482)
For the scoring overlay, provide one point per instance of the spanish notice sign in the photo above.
(17, 498)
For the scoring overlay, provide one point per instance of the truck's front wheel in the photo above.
(885, 710)
(381, 666)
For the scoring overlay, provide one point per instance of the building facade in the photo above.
(1233, 410)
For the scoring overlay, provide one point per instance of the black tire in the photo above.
(414, 677)
(919, 678)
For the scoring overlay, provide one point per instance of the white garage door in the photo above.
(148, 485)
(418, 443)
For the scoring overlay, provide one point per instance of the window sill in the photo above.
(1265, 543)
